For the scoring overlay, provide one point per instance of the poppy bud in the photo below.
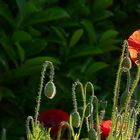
(89, 110)
(126, 64)
(92, 134)
(50, 90)
(76, 119)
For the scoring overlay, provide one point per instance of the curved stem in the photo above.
(117, 86)
(50, 65)
(97, 118)
(132, 90)
(89, 123)
(75, 103)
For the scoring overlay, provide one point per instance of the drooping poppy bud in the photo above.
(92, 134)
(76, 119)
(126, 64)
(50, 90)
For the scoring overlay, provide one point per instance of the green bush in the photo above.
(80, 37)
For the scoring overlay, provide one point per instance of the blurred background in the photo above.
(83, 39)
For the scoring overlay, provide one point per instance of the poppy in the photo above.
(52, 118)
(134, 45)
(105, 127)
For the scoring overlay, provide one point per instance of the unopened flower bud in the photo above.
(50, 90)
(92, 134)
(126, 64)
(76, 119)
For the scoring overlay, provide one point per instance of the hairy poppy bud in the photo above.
(126, 64)
(76, 119)
(92, 134)
(50, 90)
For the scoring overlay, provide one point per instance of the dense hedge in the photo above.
(81, 37)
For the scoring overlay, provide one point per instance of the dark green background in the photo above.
(82, 38)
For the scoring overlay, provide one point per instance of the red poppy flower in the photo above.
(105, 127)
(52, 118)
(134, 45)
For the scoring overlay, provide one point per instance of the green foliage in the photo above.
(123, 124)
(80, 37)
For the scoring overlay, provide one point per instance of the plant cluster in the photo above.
(123, 124)
(80, 37)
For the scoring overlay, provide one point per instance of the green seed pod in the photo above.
(92, 134)
(76, 119)
(126, 64)
(89, 110)
(50, 90)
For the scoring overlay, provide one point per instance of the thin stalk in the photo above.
(117, 86)
(132, 90)
(89, 121)
(75, 105)
(138, 134)
(97, 118)
(50, 65)
(72, 131)
(84, 109)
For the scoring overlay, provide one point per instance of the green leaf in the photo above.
(95, 67)
(20, 52)
(109, 34)
(31, 66)
(101, 15)
(90, 31)
(109, 45)
(40, 60)
(34, 32)
(6, 13)
(6, 93)
(60, 33)
(3, 64)
(101, 4)
(21, 6)
(86, 51)
(4, 41)
(24, 71)
(35, 47)
(47, 15)
(30, 8)
(21, 36)
(75, 37)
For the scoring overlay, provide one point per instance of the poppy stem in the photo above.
(50, 65)
(132, 89)
(97, 117)
(117, 86)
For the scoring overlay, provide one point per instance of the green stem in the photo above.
(138, 134)
(132, 90)
(84, 109)
(50, 65)
(89, 122)
(75, 103)
(72, 131)
(97, 118)
(117, 85)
